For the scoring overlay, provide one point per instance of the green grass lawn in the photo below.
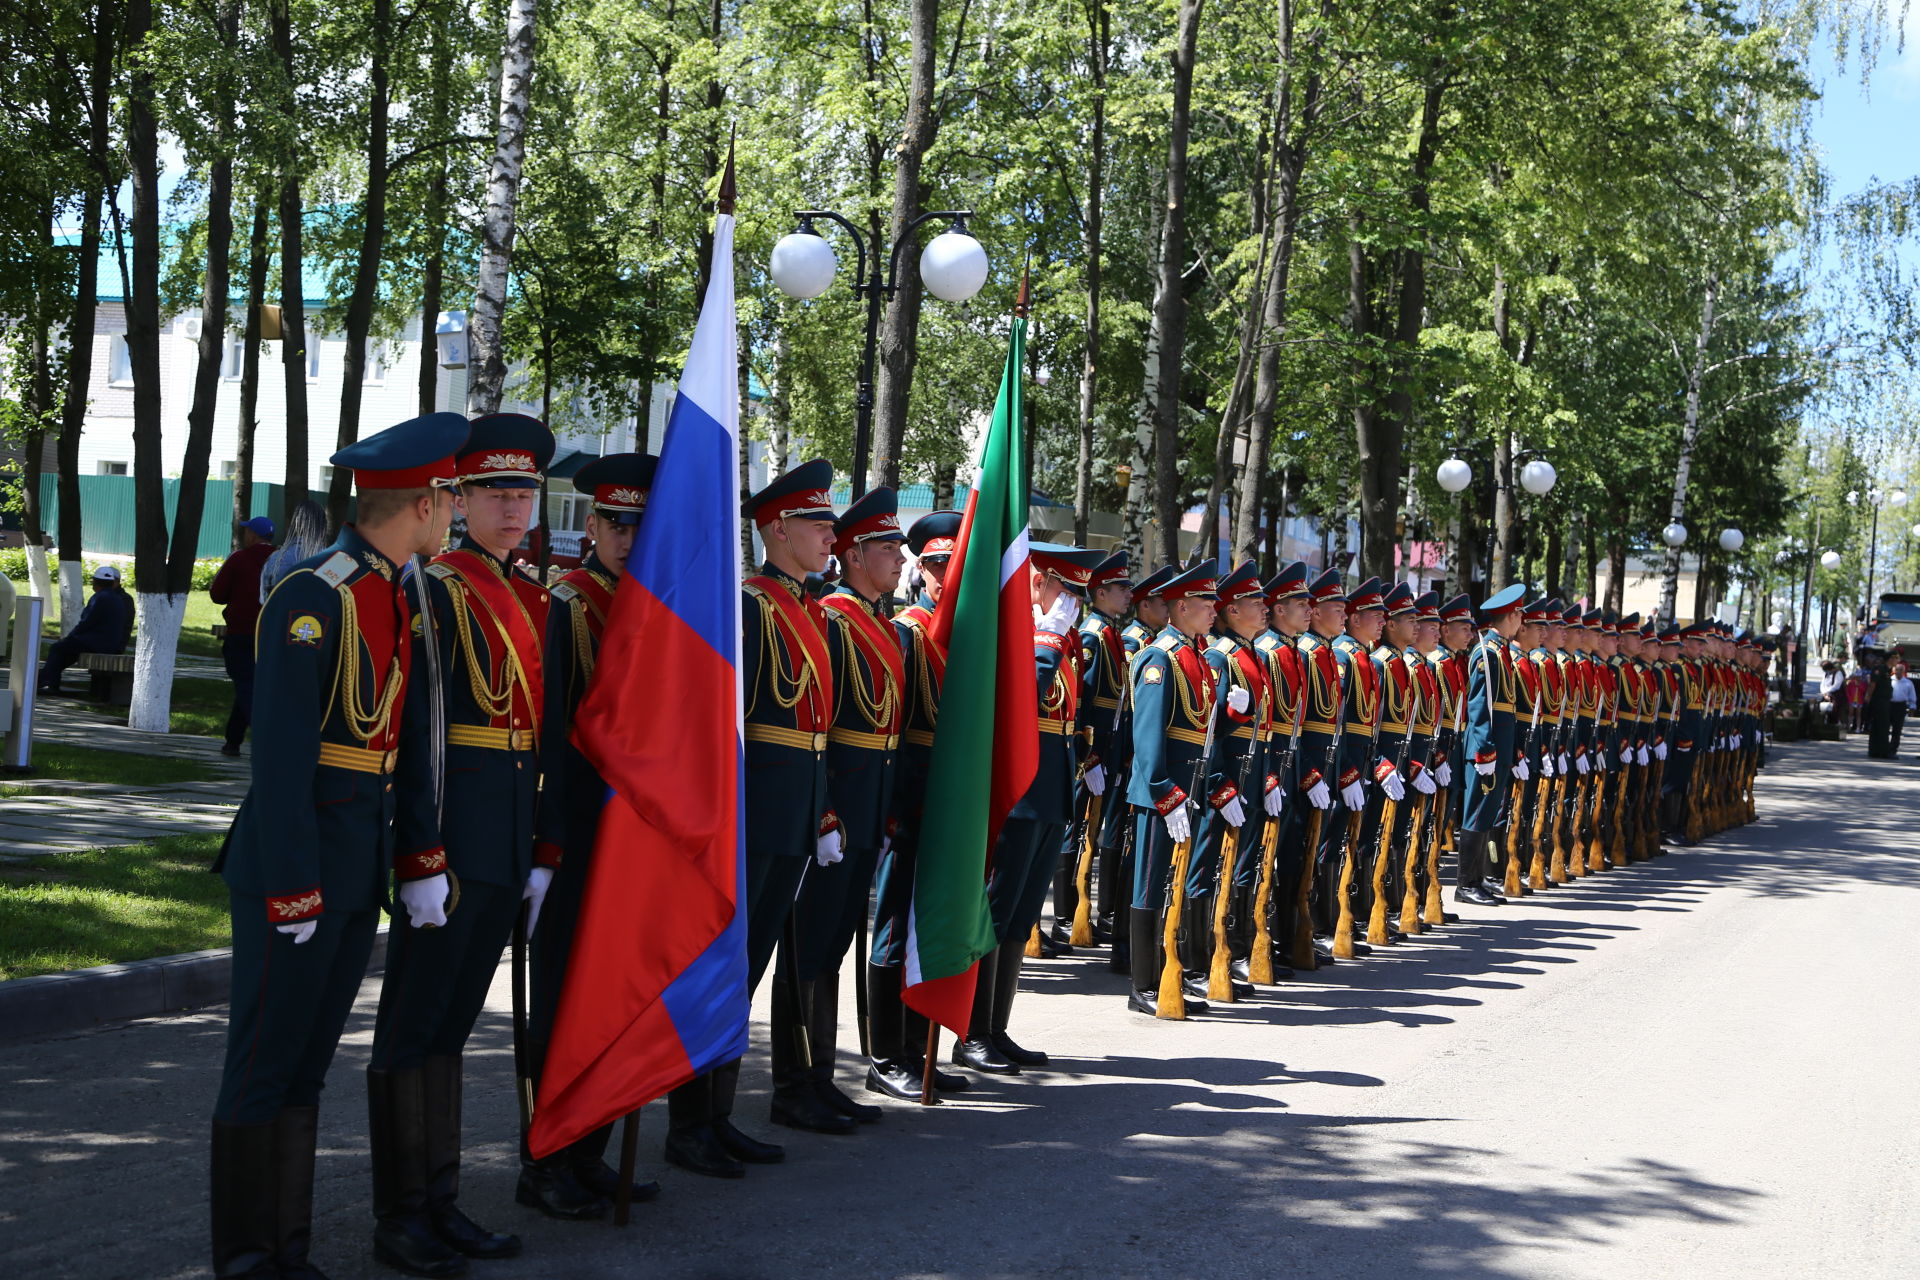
(91, 764)
(200, 706)
(72, 910)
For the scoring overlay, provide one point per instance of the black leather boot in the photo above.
(796, 1102)
(1006, 985)
(977, 1051)
(1240, 936)
(1196, 946)
(245, 1202)
(443, 1088)
(588, 1160)
(403, 1234)
(1066, 895)
(823, 1036)
(551, 1186)
(691, 1142)
(295, 1133)
(1470, 886)
(1143, 959)
(1107, 881)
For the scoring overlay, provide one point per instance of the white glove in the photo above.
(1423, 782)
(1566, 765)
(1061, 618)
(1580, 762)
(1444, 774)
(1395, 786)
(1276, 801)
(539, 880)
(1096, 780)
(1354, 795)
(301, 931)
(1738, 738)
(1659, 751)
(1546, 764)
(1234, 812)
(1520, 769)
(1179, 826)
(425, 901)
(827, 851)
(1640, 756)
(1237, 701)
(1319, 796)
(1484, 769)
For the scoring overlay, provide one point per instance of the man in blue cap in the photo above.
(489, 620)
(1027, 850)
(897, 1037)
(340, 751)
(863, 746)
(1173, 707)
(575, 1183)
(1487, 744)
(237, 589)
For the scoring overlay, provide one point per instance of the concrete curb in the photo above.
(56, 1004)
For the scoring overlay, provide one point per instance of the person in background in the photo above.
(1858, 686)
(1832, 690)
(237, 588)
(306, 538)
(1903, 701)
(105, 626)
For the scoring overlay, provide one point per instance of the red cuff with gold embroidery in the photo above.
(546, 854)
(1221, 796)
(289, 908)
(1485, 757)
(830, 821)
(1273, 782)
(1312, 780)
(418, 866)
(1414, 767)
(1381, 768)
(1167, 803)
(1348, 777)
(1048, 640)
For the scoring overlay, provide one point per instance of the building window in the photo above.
(326, 478)
(568, 511)
(374, 373)
(234, 360)
(119, 366)
(229, 469)
(113, 468)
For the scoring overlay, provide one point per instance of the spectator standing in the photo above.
(237, 588)
(1833, 691)
(306, 538)
(1857, 688)
(105, 626)
(1904, 701)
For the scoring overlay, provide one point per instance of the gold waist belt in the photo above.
(1191, 736)
(477, 735)
(1061, 727)
(359, 759)
(859, 738)
(799, 738)
(919, 737)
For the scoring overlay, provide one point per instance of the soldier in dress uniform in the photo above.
(1672, 708)
(1430, 766)
(897, 1037)
(307, 860)
(1288, 607)
(1172, 706)
(1582, 704)
(1448, 659)
(575, 1183)
(489, 620)
(1229, 861)
(1028, 847)
(1521, 853)
(1398, 760)
(1327, 771)
(1543, 815)
(1149, 610)
(869, 685)
(1103, 703)
(1489, 742)
(1344, 853)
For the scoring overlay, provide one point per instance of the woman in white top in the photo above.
(1903, 701)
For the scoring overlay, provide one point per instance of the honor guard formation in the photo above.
(1239, 781)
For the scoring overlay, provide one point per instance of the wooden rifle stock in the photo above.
(1596, 844)
(1220, 971)
(1617, 847)
(1343, 925)
(1260, 963)
(1510, 849)
(1382, 852)
(1550, 828)
(1536, 832)
(1082, 935)
(1172, 1001)
(1410, 869)
(1304, 958)
(1433, 912)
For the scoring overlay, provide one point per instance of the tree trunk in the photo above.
(86, 298)
(1092, 229)
(1689, 436)
(40, 408)
(1550, 562)
(900, 327)
(249, 423)
(1616, 572)
(1232, 418)
(1169, 299)
(488, 358)
(440, 124)
(779, 408)
(1139, 492)
(366, 276)
(293, 321)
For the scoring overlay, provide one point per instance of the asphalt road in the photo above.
(1700, 1066)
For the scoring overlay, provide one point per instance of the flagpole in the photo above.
(629, 1144)
(926, 1070)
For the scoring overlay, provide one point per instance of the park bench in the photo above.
(112, 676)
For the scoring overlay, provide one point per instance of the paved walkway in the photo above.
(63, 815)
(1699, 1067)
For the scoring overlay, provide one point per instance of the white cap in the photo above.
(106, 573)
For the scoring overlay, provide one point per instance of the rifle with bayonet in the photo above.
(1343, 919)
(1220, 971)
(1377, 934)
(1082, 935)
(1172, 1001)
(1435, 912)
(1304, 957)
(1260, 965)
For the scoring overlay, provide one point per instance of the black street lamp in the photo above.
(953, 265)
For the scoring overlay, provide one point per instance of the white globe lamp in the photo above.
(1454, 475)
(803, 265)
(1538, 476)
(954, 266)
(1674, 535)
(1732, 540)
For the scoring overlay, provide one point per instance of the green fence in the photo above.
(106, 512)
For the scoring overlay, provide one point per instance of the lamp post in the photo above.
(1876, 499)
(953, 266)
(1537, 477)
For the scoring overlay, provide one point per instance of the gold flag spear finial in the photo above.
(1020, 302)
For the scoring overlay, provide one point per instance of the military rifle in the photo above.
(1082, 935)
(1172, 1001)
(1435, 912)
(1304, 957)
(1260, 964)
(1389, 815)
(1343, 918)
(1220, 971)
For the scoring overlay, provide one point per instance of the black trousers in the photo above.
(437, 979)
(61, 654)
(236, 653)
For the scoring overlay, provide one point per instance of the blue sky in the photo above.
(1871, 131)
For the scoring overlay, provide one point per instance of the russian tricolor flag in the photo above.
(656, 989)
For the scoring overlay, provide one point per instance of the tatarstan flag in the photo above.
(987, 746)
